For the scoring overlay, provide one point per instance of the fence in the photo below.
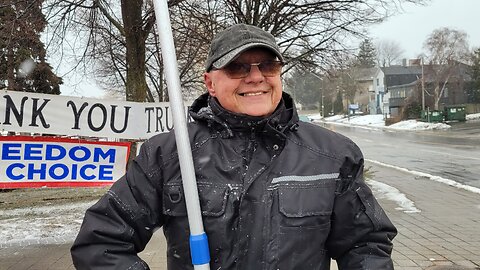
(473, 108)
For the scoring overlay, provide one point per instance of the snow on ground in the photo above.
(54, 224)
(474, 116)
(417, 125)
(60, 223)
(377, 121)
(383, 190)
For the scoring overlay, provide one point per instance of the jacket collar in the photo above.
(208, 109)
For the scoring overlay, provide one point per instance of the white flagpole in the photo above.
(198, 239)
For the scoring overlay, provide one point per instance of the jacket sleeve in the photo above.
(361, 233)
(122, 222)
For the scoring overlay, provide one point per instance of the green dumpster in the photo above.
(455, 113)
(432, 116)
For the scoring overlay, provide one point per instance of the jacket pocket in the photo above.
(212, 203)
(304, 225)
(212, 200)
(305, 206)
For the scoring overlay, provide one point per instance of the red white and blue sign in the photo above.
(60, 162)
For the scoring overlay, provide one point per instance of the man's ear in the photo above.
(207, 79)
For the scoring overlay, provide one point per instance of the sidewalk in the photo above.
(444, 235)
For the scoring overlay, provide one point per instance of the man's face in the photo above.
(255, 95)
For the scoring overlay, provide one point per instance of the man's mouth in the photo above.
(252, 94)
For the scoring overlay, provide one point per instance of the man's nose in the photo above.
(255, 73)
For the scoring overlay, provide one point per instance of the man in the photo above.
(275, 193)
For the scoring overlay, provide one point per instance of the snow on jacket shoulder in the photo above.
(275, 193)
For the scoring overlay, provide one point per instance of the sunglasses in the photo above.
(237, 70)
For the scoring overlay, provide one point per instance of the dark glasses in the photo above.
(237, 70)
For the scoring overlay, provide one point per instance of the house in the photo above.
(374, 83)
(387, 90)
(399, 83)
(364, 94)
(399, 95)
(454, 84)
(400, 75)
(405, 87)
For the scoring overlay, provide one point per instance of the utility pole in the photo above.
(323, 107)
(322, 89)
(423, 87)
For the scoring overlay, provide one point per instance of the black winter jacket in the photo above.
(275, 193)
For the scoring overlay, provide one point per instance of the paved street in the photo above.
(444, 235)
(451, 154)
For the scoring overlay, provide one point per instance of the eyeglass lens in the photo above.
(237, 70)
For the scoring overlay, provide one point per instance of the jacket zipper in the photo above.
(250, 146)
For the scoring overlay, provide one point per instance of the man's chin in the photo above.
(258, 112)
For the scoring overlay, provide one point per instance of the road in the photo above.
(452, 154)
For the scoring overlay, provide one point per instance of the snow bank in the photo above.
(417, 125)
(474, 116)
(376, 121)
(383, 190)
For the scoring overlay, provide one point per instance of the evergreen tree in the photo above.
(338, 104)
(367, 55)
(474, 93)
(305, 88)
(23, 66)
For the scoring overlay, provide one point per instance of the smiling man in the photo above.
(249, 85)
(243, 71)
(275, 192)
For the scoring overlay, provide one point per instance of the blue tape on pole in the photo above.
(199, 249)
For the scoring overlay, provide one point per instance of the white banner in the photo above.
(59, 162)
(73, 116)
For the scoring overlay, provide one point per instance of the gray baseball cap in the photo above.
(234, 40)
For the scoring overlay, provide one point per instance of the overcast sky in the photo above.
(412, 28)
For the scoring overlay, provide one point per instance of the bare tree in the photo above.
(115, 36)
(310, 28)
(388, 52)
(120, 36)
(446, 50)
(311, 34)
